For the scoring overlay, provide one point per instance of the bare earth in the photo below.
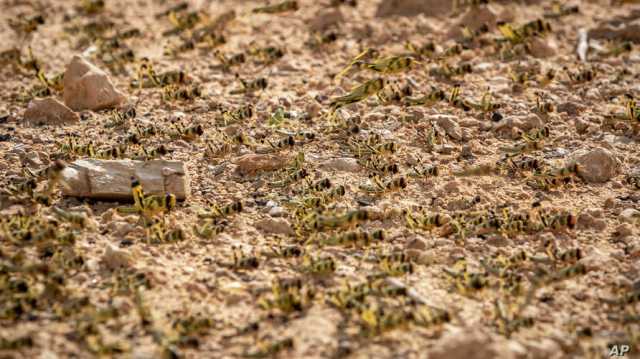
(538, 261)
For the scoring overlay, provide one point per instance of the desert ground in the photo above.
(358, 179)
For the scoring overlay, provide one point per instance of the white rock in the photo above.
(111, 179)
(277, 211)
(87, 87)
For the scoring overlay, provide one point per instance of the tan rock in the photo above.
(111, 179)
(315, 333)
(629, 215)
(463, 344)
(326, 19)
(115, 258)
(343, 164)
(474, 18)
(49, 111)
(253, 163)
(275, 226)
(414, 7)
(449, 124)
(542, 48)
(86, 87)
(595, 166)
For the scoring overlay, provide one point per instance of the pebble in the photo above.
(413, 8)
(341, 164)
(596, 259)
(542, 48)
(275, 226)
(449, 124)
(49, 111)
(465, 343)
(325, 19)
(629, 215)
(417, 243)
(251, 164)
(115, 258)
(623, 230)
(86, 87)
(277, 211)
(596, 166)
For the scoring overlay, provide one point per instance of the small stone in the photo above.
(596, 259)
(469, 122)
(277, 211)
(623, 230)
(326, 19)
(115, 258)
(341, 164)
(570, 108)
(609, 203)
(32, 159)
(474, 19)
(629, 215)
(542, 48)
(581, 125)
(446, 149)
(417, 243)
(251, 164)
(464, 343)
(449, 124)
(595, 166)
(413, 7)
(544, 348)
(119, 229)
(374, 117)
(88, 87)
(452, 187)
(275, 226)
(529, 122)
(314, 333)
(49, 111)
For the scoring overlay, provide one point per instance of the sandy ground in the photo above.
(144, 299)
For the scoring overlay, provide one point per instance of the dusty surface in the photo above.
(119, 290)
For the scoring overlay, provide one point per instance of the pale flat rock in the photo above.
(414, 7)
(87, 87)
(110, 180)
(49, 111)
